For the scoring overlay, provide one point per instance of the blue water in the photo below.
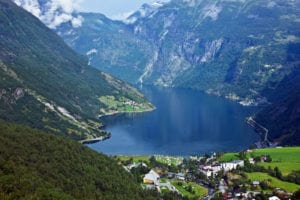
(185, 122)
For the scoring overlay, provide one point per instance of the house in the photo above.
(274, 198)
(135, 165)
(255, 183)
(207, 172)
(151, 178)
(210, 170)
(232, 165)
(251, 161)
(180, 176)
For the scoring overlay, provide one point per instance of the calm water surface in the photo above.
(186, 122)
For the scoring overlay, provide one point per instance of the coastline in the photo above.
(108, 135)
(95, 140)
(126, 112)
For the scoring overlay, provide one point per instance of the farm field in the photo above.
(190, 190)
(286, 159)
(276, 183)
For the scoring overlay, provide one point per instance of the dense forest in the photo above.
(37, 165)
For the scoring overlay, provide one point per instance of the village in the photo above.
(205, 177)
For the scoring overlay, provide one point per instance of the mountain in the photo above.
(37, 165)
(110, 45)
(46, 85)
(247, 51)
(234, 48)
(282, 117)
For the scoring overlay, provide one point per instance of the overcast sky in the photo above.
(112, 8)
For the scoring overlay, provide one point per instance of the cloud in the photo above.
(53, 12)
(122, 16)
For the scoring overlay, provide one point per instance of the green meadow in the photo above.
(274, 182)
(287, 159)
(190, 190)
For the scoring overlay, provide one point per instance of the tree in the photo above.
(242, 155)
(296, 195)
(278, 173)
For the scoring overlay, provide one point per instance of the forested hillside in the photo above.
(37, 165)
(46, 85)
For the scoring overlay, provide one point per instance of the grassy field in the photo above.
(285, 167)
(276, 183)
(286, 159)
(135, 159)
(229, 157)
(287, 154)
(121, 105)
(169, 160)
(198, 191)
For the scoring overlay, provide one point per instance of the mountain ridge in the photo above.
(241, 50)
(58, 91)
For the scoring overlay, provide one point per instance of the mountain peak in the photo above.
(145, 10)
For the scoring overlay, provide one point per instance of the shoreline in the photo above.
(95, 140)
(108, 134)
(125, 112)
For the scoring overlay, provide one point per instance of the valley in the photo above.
(223, 48)
(179, 100)
(185, 122)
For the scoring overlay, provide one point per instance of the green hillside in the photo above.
(282, 118)
(37, 165)
(44, 84)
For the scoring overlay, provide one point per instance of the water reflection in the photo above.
(185, 122)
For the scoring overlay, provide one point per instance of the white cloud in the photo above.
(122, 16)
(53, 12)
(77, 22)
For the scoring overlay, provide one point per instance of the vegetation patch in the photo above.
(134, 159)
(121, 104)
(190, 190)
(169, 160)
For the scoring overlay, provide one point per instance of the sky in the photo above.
(113, 8)
(55, 12)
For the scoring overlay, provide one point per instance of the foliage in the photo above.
(36, 165)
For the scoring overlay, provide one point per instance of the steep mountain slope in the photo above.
(231, 48)
(36, 165)
(110, 45)
(47, 85)
(282, 118)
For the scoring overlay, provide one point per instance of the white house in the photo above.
(274, 198)
(180, 176)
(232, 165)
(206, 172)
(212, 170)
(151, 178)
